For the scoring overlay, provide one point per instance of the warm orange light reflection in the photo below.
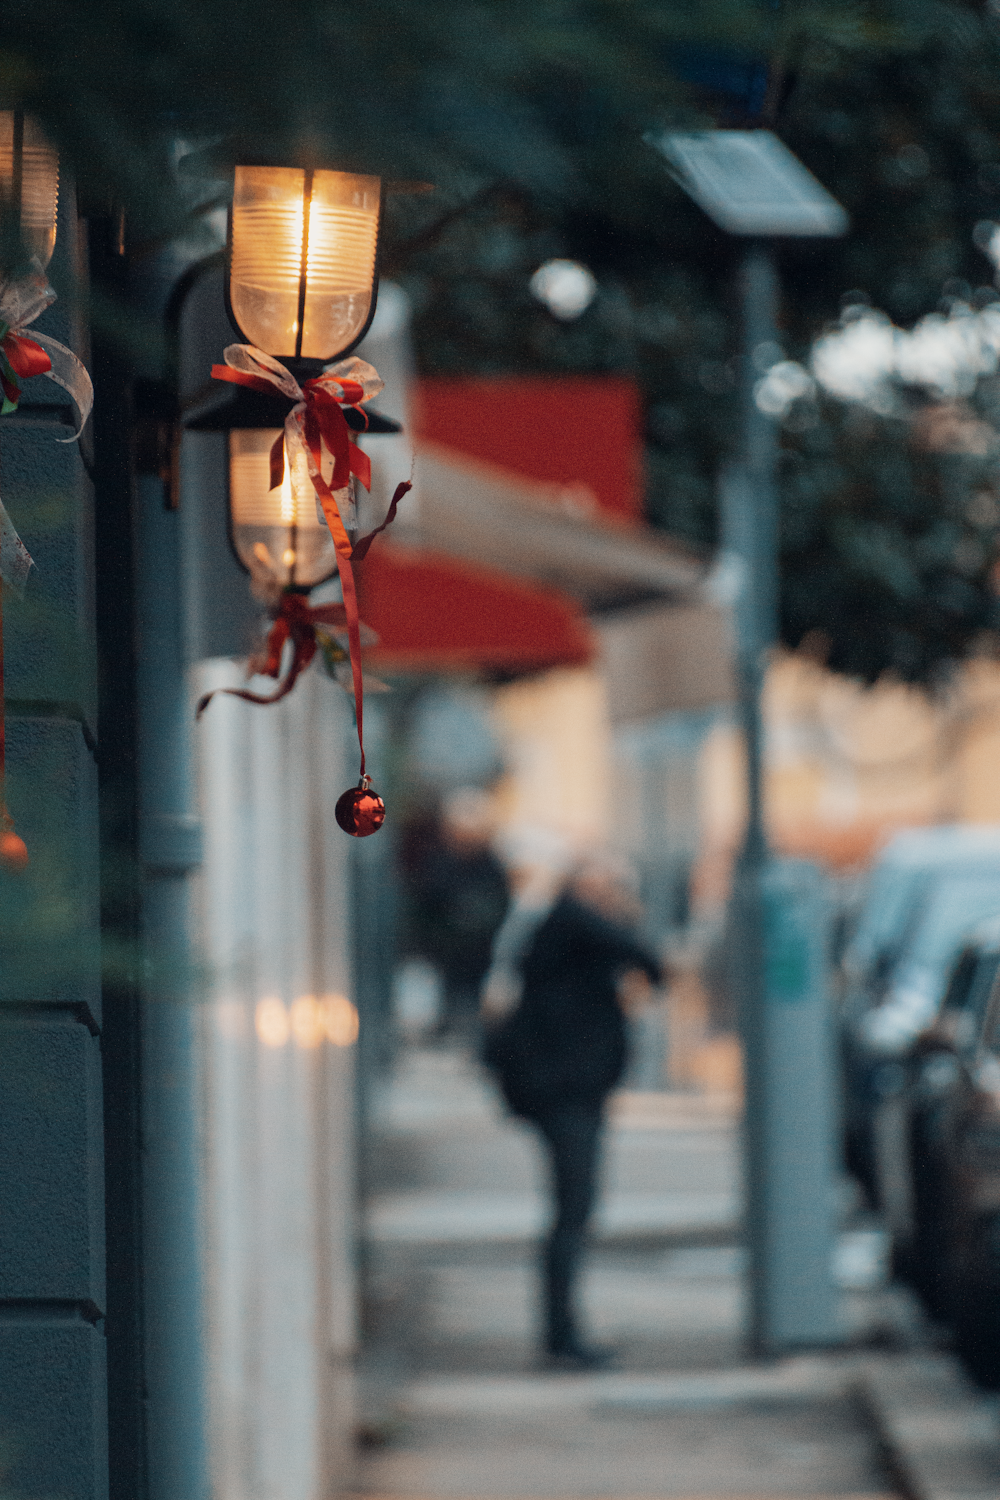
(308, 1021)
(271, 1021)
(303, 240)
(340, 1020)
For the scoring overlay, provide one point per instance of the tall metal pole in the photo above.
(780, 918)
(750, 527)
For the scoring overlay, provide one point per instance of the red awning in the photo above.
(565, 430)
(433, 614)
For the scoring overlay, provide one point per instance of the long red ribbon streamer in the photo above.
(323, 423)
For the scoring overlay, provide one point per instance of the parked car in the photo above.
(968, 1198)
(912, 1133)
(902, 996)
(911, 862)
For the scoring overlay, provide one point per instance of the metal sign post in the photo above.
(751, 185)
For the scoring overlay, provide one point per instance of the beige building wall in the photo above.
(556, 735)
(848, 765)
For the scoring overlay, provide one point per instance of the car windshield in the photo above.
(891, 897)
(953, 908)
(911, 865)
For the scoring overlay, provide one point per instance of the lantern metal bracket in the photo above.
(157, 435)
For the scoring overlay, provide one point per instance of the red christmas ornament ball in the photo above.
(360, 812)
(13, 851)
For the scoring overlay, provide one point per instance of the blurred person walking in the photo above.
(566, 970)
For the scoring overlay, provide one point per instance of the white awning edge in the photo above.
(483, 515)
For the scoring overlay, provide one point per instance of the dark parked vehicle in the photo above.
(899, 999)
(911, 862)
(969, 1198)
(912, 1135)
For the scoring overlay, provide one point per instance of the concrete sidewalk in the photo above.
(451, 1401)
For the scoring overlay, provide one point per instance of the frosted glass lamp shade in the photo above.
(29, 185)
(302, 251)
(277, 534)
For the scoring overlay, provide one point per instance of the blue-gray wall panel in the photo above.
(53, 1409)
(51, 1185)
(48, 633)
(49, 913)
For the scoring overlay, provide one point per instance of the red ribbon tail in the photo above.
(354, 645)
(364, 542)
(324, 419)
(342, 542)
(277, 460)
(361, 465)
(245, 694)
(305, 650)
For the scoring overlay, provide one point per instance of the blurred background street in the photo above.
(450, 1401)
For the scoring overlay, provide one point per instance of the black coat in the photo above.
(566, 1042)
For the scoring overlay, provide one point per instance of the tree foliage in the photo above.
(530, 116)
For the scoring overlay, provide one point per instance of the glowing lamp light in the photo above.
(29, 186)
(302, 259)
(277, 534)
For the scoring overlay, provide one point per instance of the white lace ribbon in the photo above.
(21, 302)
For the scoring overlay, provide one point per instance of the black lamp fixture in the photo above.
(301, 285)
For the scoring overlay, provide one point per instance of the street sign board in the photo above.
(749, 183)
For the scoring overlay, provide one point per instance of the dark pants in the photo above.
(460, 1011)
(572, 1134)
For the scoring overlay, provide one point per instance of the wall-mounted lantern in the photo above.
(301, 284)
(29, 191)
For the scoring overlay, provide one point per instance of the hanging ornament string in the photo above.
(21, 357)
(315, 422)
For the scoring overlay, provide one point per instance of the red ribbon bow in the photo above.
(323, 424)
(295, 620)
(20, 357)
(323, 420)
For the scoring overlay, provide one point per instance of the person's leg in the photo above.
(573, 1139)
